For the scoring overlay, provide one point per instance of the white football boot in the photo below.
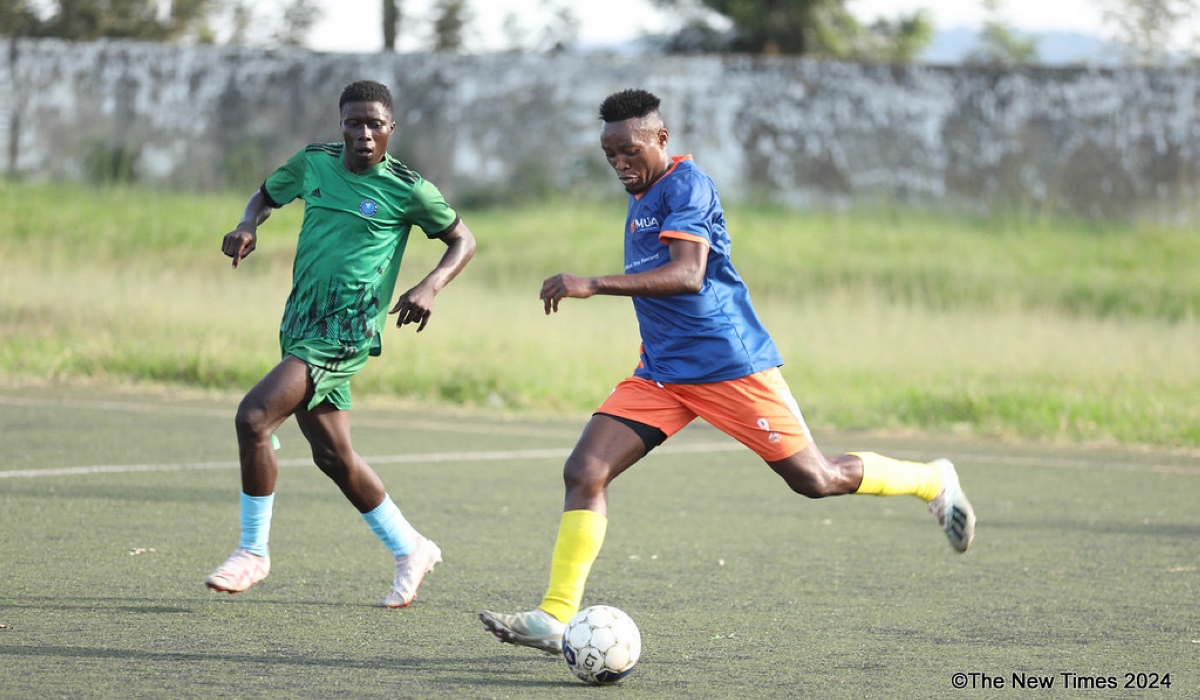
(952, 509)
(239, 572)
(410, 571)
(535, 628)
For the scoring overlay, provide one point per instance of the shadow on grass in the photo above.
(113, 604)
(450, 671)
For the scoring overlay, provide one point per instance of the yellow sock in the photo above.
(580, 536)
(884, 476)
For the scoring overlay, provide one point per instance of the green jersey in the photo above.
(355, 228)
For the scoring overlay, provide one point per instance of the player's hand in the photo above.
(414, 306)
(565, 285)
(238, 244)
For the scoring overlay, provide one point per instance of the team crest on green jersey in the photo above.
(368, 208)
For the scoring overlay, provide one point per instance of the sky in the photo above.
(353, 25)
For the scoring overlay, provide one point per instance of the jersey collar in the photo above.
(675, 161)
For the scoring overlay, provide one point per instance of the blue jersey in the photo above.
(714, 334)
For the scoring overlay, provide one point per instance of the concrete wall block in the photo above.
(1103, 143)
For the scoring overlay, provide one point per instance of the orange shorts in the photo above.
(758, 411)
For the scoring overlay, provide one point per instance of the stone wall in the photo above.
(1097, 143)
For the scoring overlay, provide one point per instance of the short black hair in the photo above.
(366, 91)
(628, 104)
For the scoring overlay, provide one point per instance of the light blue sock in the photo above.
(391, 528)
(256, 523)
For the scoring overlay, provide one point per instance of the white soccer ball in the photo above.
(601, 644)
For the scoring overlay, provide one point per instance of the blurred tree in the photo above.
(87, 20)
(297, 21)
(450, 18)
(247, 22)
(1152, 30)
(240, 18)
(999, 43)
(285, 22)
(894, 41)
(17, 18)
(801, 27)
(560, 28)
(391, 23)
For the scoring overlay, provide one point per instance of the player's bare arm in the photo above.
(416, 305)
(684, 274)
(242, 240)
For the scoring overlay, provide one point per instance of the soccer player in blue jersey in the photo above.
(704, 354)
(360, 206)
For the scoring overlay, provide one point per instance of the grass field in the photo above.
(117, 502)
(1054, 361)
(1056, 331)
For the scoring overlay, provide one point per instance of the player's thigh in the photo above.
(758, 411)
(609, 445)
(606, 448)
(331, 366)
(649, 403)
(277, 395)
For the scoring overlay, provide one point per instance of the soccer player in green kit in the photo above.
(360, 205)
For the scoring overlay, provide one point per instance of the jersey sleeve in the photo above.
(287, 182)
(428, 209)
(689, 202)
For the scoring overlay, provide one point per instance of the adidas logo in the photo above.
(958, 523)
(315, 194)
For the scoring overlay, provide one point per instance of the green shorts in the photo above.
(331, 364)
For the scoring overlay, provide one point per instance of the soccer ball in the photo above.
(601, 644)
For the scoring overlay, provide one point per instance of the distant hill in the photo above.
(953, 45)
(949, 47)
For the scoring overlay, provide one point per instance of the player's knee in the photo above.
(251, 419)
(584, 474)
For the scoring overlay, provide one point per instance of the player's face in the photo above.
(637, 150)
(366, 128)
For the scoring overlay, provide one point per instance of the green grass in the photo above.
(1084, 563)
(1037, 330)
